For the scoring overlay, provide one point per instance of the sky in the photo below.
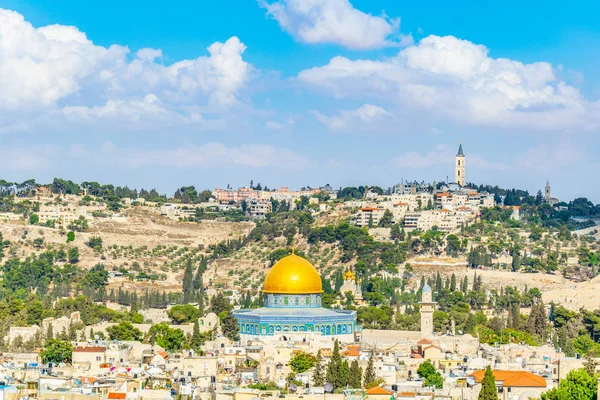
(301, 92)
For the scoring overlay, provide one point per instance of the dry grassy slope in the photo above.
(142, 227)
(553, 287)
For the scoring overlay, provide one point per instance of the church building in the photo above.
(459, 171)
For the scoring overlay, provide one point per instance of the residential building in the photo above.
(369, 216)
(514, 385)
(60, 214)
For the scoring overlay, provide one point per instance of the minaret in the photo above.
(547, 195)
(459, 172)
(427, 309)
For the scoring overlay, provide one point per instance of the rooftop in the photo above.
(513, 378)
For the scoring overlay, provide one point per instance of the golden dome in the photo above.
(349, 276)
(293, 275)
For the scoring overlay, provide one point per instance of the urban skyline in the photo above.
(167, 99)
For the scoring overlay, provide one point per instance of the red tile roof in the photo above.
(513, 378)
(89, 349)
(378, 390)
(115, 395)
(352, 351)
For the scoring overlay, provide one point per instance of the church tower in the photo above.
(459, 172)
(547, 194)
(427, 309)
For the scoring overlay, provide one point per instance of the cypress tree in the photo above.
(196, 341)
(333, 374)
(49, 333)
(319, 373)
(488, 386)
(201, 297)
(344, 374)
(370, 376)
(453, 283)
(188, 284)
(355, 375)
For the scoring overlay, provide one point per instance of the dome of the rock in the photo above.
(293, 275)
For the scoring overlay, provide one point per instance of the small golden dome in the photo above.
(349, 276)
(293, 275)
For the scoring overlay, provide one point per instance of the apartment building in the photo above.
(60, 214)
(366, 214)
(259, 209)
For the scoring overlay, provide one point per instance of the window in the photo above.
(98, 358)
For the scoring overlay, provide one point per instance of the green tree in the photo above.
(386, 220)
(170, 339)
(70, 236)
(188, 283)
(333, 368)
(34, 219)
(183, 313)
(197, 339)
(578, 385)
(220, 303)
(318, 376)
(344, 374)
(229, 325)
(57, 351)
(95, 243)
(370, 375)
(355, 375)
(124, 331)
(73, 255)
(302, 362)
(428, 372)
(488, 386)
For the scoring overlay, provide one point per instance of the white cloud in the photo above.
(443, 154)
(335, 21)
(207, 155)
(363, 117)
(30, 158)
(108, 154)
(546, 157)
(274, 126)
(57, 68)
(453, 79)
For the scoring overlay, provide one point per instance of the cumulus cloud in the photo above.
(30, 158)
(334, 21)
(546, 157)
(443, 154)
(365, 116)
(57, 68)
(210, 155)
(457, 80)
(440, 154)
(207, 155)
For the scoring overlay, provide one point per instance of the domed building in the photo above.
(293, 304)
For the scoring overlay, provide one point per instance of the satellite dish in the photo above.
(328, 387)
(293, 387)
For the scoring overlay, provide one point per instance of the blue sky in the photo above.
(300, 92)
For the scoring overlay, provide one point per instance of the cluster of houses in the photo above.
(226, 370)
(447, 210)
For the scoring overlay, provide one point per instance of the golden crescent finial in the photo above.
(293, 250)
